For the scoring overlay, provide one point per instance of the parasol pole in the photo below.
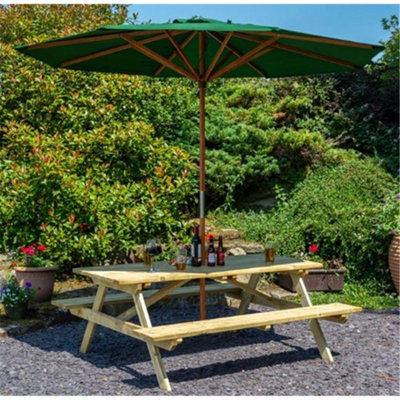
(202, 93)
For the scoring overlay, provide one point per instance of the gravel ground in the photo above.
(282, 361)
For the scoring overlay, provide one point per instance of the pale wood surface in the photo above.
(195, 328)
(127, 328)
(314, 324)
(131, 274)
(91, 326)
(246, 295)
(154, 298)
(123, 298)
(154, 351)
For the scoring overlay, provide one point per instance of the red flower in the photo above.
(29, 250)
(41, 248)
(313, 248)
(22, 249)
(14, 264)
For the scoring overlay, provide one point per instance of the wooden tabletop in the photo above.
(130, 274)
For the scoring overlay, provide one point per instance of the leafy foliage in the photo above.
(11, 294)
(341, 210)
(79, 170)
(87, 197)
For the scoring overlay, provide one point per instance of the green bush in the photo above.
(89, 197)
(347, 210)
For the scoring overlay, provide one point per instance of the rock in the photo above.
(248, 247)
(230, 234)
(236, 251)
(252, 247)
(5, 263)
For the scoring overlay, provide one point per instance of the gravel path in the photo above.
(283, 361)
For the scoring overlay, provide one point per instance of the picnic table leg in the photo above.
(91, 326)
(246, 297)
(202, 300)
(154, 351)
(314, 324)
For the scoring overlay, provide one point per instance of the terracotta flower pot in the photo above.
(42, 280)
(394, 261)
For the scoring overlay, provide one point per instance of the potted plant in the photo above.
(32, 265)
(327, 279)
(14, 297)
(391, 226)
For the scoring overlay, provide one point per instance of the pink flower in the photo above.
(313, 248)
(29, 250)
(41, 248)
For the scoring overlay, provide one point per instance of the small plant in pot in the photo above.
(32, 264)
(14, 297)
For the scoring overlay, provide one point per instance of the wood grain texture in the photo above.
(127, 328)
(91, 326)
(315, 326)
(131, 274)
(195, 328)
(123, 298)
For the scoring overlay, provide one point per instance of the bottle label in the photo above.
(221, 257)
(194, 253)
(211, 258)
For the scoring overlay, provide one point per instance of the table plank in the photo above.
(225, 324)
(129, 274)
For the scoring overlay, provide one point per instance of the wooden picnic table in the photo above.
(130, 279)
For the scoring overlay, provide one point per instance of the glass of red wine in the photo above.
(153, 249)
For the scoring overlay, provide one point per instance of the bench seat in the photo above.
(123, 298)
(256, 320)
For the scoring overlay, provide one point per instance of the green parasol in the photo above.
(202, 50)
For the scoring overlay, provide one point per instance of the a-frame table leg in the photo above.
(314, 324)
(91, 326)
(154, 351)
(246, 297)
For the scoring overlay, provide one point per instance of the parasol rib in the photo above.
(251, 55)
(95, 55)
(156, 57)
(112, 50)
(236, 52)
(182, 55)
(247, 37)
(90, 39)
(174, 54)
(338, 42)
(218, 55)
(315, 55)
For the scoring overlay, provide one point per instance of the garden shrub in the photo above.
(89, 197)
(343, 210)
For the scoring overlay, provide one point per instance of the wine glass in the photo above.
(153, 249)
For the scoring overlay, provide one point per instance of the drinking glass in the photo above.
(153, 249)
(269, 252)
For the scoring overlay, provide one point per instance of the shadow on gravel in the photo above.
(221, 368)
(111, 349)
(394, 311)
